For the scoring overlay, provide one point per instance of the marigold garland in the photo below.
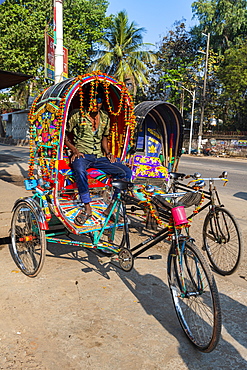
(196, 210)
(152, 211)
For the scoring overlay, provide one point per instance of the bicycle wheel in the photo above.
(222, 240)
(28, 241)
(195, 297)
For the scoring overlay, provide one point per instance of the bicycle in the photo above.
(222, 238)
(192, 285)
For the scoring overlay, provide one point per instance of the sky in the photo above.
(156, 16)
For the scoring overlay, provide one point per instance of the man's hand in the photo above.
(111, 157)
(76, 154)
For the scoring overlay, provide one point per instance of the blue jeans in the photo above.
(80, 165)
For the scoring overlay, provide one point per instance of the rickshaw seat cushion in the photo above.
(66, 178)
(146, 166)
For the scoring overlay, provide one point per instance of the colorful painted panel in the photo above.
(44, 139)
(96, 178)
(151, 167)
(70, 210)
(153, 139)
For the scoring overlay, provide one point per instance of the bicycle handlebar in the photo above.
(197, 177)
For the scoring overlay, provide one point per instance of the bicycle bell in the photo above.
(199, 184)
(224, 174)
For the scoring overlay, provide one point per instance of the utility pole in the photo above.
(58, 39)
(203, 95)
(192, 119)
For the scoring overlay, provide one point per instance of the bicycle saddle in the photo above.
(122, 185)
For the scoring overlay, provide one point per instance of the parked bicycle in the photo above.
(222, 238)
(191, 282)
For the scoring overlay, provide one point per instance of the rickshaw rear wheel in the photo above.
(28, 241)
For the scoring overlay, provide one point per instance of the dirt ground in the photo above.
(83, 313)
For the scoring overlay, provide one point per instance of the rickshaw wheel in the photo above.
(28, 241)
(126, 260)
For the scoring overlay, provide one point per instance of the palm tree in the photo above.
(123, 55)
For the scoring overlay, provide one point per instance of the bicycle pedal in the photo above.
(155, 257)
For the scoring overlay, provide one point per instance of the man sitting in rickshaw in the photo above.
(90, 149)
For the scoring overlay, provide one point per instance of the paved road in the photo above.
(80, 313)
(213, 167)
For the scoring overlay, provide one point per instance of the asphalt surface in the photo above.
(83, 313)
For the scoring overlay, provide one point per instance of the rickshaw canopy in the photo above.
(50, 111)
(159, 132)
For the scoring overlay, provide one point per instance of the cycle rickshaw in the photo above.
(48, 215)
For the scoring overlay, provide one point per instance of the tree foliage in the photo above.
(123, 53)
(226, 20)
(23, 24)
(177, 72)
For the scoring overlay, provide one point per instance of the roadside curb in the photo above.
(233, 158)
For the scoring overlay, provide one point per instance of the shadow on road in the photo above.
(89, 261)
(234, 319)
(241, 195)
(17, 180)
(155, 298)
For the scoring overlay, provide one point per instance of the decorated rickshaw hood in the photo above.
(49, 113)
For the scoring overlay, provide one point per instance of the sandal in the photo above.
(81, 218)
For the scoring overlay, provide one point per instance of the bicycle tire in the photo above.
(198, 308)
(222, 240)
(28, 241)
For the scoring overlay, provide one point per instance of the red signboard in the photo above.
(50, 59)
